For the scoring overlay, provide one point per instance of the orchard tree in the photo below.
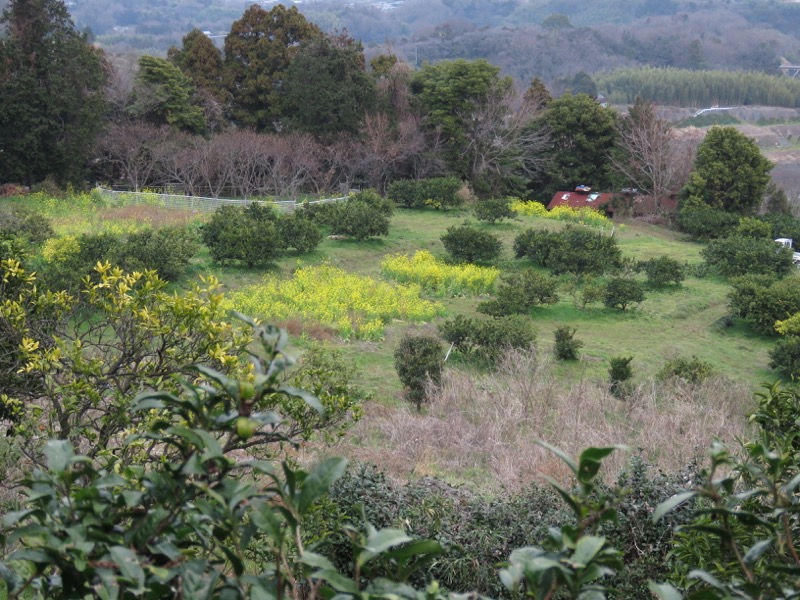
(327, 89)
(258, 51)
(51, 93)
(730, 173)
(583, 134)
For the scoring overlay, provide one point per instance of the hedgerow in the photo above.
(438, 277)
(358, 307)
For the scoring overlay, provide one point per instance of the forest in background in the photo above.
(554, 40)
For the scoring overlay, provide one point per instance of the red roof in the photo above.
(575, 199)
(642, 205)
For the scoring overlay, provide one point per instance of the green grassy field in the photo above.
(481, 431)
(686, 320)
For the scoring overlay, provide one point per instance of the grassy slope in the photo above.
(681, 321)
(475, 436)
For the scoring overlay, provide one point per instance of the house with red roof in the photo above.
(626, 201)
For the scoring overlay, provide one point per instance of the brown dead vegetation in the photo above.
(490, 424)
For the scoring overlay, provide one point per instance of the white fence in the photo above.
(198, 203)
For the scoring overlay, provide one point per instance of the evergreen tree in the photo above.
(201, 61)
(327, 89)
(730, 173)
(454, 95)
(163, 95)
(51, 93)
(583, 134)
(258, 50)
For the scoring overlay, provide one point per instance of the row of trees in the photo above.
(685, 87)
(286, 109)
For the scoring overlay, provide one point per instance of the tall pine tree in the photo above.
(51, 93)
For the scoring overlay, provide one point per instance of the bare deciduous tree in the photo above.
(130, 151)
(651, 156)
(385, 148)
(503, 140)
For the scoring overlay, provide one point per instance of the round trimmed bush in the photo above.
(467, 244)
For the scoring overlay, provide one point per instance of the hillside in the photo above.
(545, 38)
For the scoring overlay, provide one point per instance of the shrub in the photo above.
(438, 277)
(493, 337)
(692, 370)
(356, 306)
(566, 346)
(619, 373)
(299, 232)
(535, 245)
(488, 338)
(247, 234)
(754, 228)
(494, 210)
(373, 199)
(737, 255)
(662, 271)
(419, 359)
(438, 192)
(31, 225)
(785, 356)
(701, 222)
(167, 250)
(467, 244)
(573, 250)
(584, 290)
(763, 301)
(359, 219)
(583, 251)
(620, 292)
(519, 292)
(69, 261)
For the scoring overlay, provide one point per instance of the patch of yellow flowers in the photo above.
(358, 307)
(436, 276)
(584, 215)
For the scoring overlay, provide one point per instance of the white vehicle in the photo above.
(788, 243)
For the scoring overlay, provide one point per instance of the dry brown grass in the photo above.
(299, 327)
(489, 424)
(155, 216)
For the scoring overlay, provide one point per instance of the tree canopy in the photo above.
(326, 88)
(730, 173)
(583, 134)
(51, 93)
(258, 51)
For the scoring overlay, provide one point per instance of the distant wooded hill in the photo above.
(552, 39)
